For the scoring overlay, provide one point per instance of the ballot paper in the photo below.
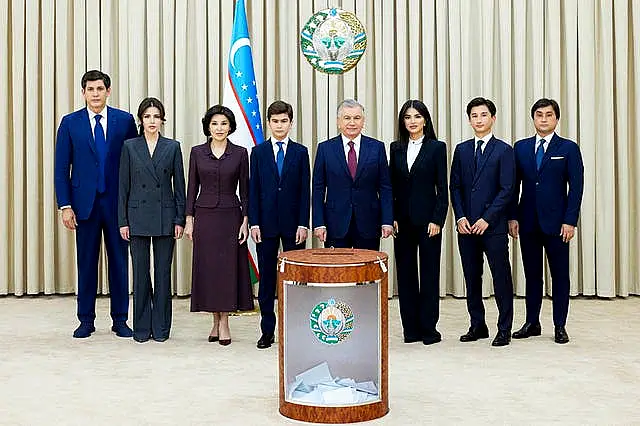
(316, 386)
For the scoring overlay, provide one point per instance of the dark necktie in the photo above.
(540, 154)
(279, 158)
(352, 162)
(101, 149)
(479, 153)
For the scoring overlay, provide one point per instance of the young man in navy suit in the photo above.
(482, 182)
(352, 202)
(87, 162)
(279, 198)
(545, 214)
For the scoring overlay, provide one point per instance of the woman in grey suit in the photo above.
(151, 203)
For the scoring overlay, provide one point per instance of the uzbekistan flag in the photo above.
(241, 96)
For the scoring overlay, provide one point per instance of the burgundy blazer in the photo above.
(213, 181)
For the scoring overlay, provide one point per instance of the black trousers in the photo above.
(151, 306)
(496, 247)
(353, 239)
(419, 297)
(268, 265)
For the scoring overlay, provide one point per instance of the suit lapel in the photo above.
(338, 150)
(144, 156)
(365, 152)
(162, 148)
(271, 163)
(111, 127)
(424, 148)
(288, 158)
(485, 156)
(86, 123)
(402, 158)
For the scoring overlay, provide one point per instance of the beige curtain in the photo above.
(581, 52)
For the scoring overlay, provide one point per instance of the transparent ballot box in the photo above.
(333, 335)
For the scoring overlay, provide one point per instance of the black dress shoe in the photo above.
(84, 330)
(432, 338)
(561, 335)
(474, 334)
(528, 330)
(265, 341)
(224, 342)
(502, 338)
(412, 339)
(141, 339)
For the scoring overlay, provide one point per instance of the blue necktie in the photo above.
(540, 154)
(479, 153)
(101, 148)
(280, 158)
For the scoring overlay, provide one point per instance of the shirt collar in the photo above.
(284, 141)
(547, 138)
(485, 138)
(417, 141)
(356, 140)
(92, 114)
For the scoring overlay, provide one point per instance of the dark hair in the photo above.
(545, 102)
(217, 110)
(481, 101)
(280, 107)
(95, 75)
(149, 103)
(403, 133)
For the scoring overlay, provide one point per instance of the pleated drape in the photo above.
(583, 53)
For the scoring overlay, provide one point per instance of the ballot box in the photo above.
(333, 334)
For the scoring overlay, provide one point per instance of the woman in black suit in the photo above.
(151, 203)
(418, 168)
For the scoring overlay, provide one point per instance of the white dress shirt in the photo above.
(485, 140)
(285, 143)
(103, 120)
(413, 149)
(356, 146)
(547, 139)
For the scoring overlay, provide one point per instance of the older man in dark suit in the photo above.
(545, 214)
(352, 202)
(482, 182)
(279, 197)
(87, 160)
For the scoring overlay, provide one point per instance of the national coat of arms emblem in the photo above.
(331, 322)
(333, 41)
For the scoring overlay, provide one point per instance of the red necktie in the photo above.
(352, 163)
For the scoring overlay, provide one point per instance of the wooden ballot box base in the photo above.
(334, 269)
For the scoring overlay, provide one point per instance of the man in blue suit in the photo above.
(279, 198)
(87, 160)
(545, 214)
(482, 182)
(352, 202)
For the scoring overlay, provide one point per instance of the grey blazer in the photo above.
(151, 197)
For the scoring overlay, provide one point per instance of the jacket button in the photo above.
(279, 189)
(158, 186)
(143, 201)
(473, 190)
(144, 186)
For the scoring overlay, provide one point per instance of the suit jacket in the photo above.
(151, 199)
(485, 192)
(420, 194)
(213, 183)
(336, 196)
(279, 205)
(76, 159)
(552, 195)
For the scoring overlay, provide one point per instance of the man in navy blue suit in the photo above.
(87, 161)
(279, 198)
(482, 182)
(352, 202)
(545, 214)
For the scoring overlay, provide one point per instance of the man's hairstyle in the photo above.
(349, 103)
(545, 102)
(479, 102)
(280, 107)
(217, 110)
(403, 133)
(148, 103)
(95, 75)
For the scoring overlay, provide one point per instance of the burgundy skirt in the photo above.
(220, 279)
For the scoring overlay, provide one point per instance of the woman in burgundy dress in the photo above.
(216, 222)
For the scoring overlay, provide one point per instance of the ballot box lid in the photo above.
(332, 256)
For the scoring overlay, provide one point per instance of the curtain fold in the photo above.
(582, 53)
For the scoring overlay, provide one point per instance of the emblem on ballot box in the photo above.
(331, 322)
(333, 41)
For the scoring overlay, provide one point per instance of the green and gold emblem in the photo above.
(333, 41)
(331, 322)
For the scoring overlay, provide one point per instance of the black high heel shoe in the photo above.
(213, 339)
